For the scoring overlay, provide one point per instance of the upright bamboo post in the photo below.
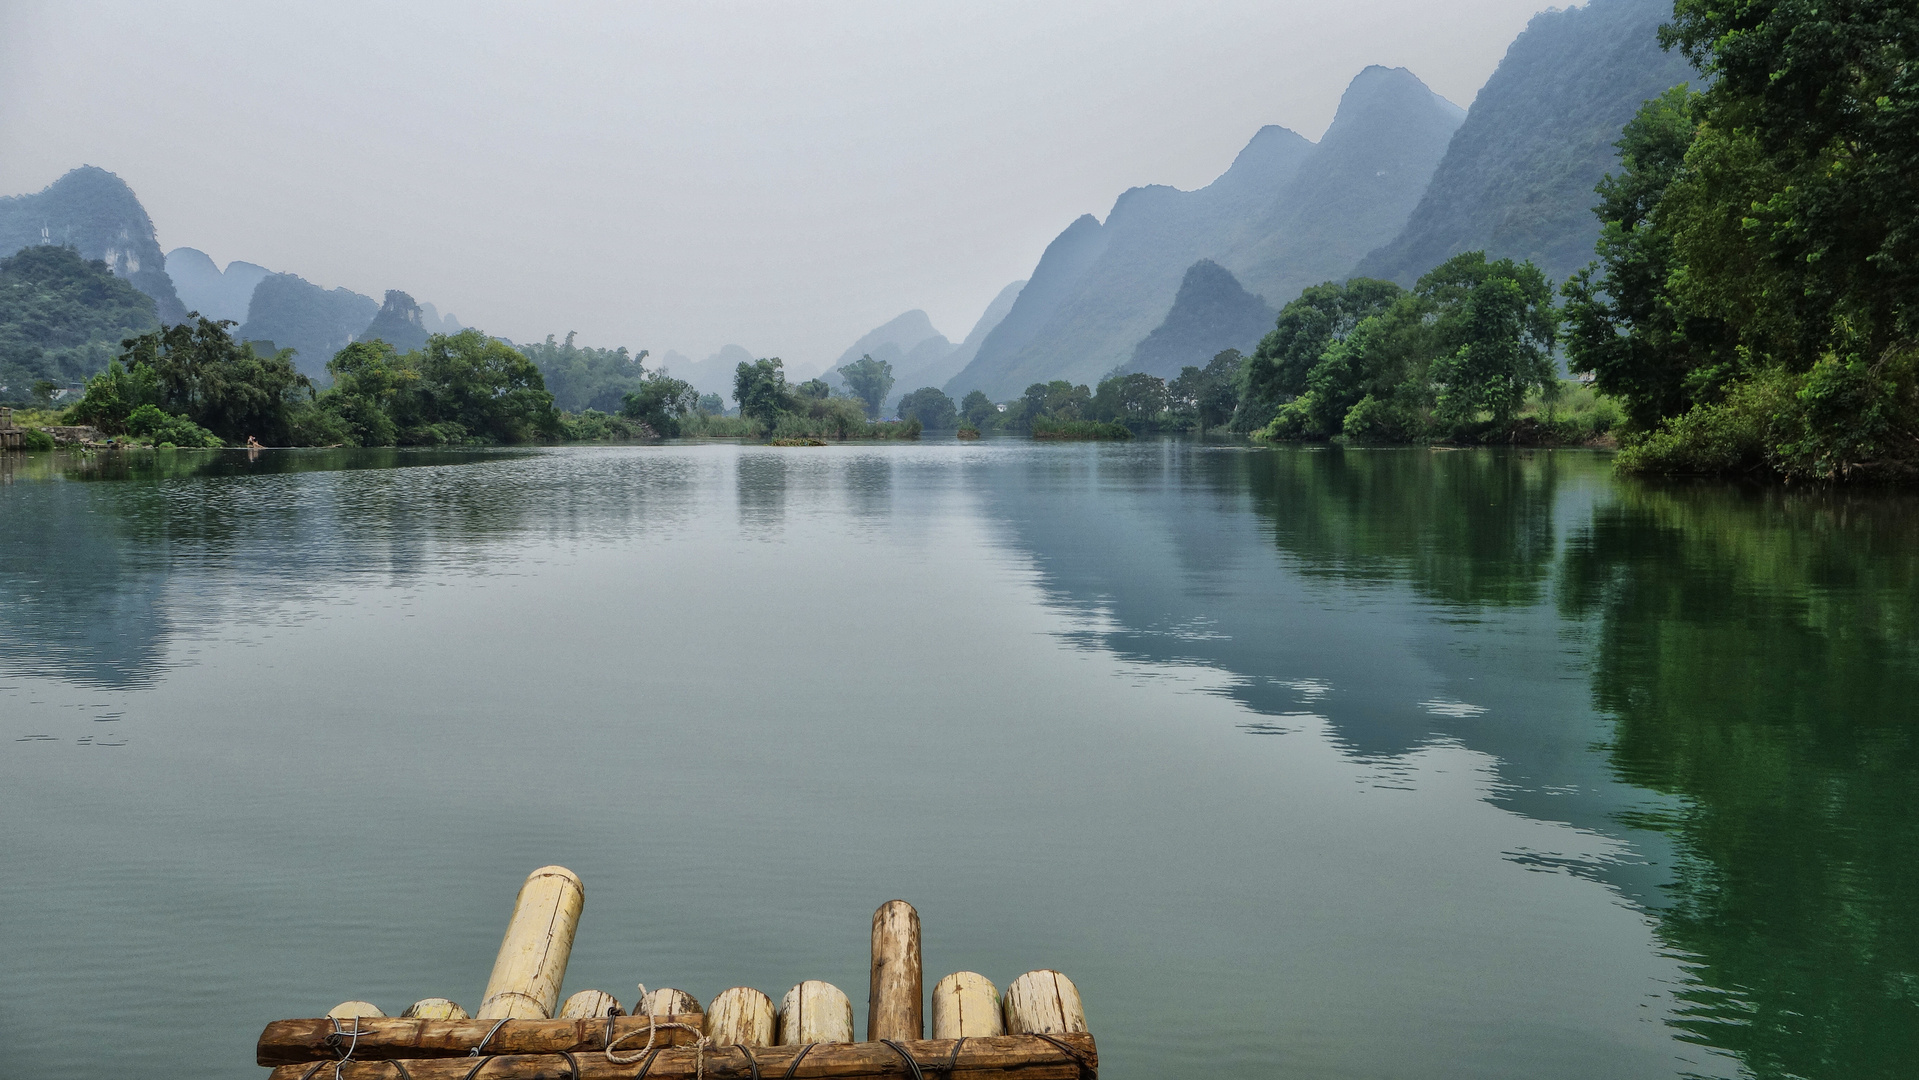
(1043, 1002)
(435, 1009)
(895, 1003)
(966, 1006)
(590, 1005)
(816, 1012)
(539, 940)
(741, 1015)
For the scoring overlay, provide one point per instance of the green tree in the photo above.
(586, 378)
(931, 407)
(1323, 314)
(979, 409)
(661, 403)
(485, 386)
(1625, 326)
(760, 388)
(870, 380)
(198, 371)
(1210, 393)
(1496, 328)
(369, 383)
(1136, 399)
(814, 390)
(62, 317)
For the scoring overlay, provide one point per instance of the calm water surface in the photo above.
(1308, 763)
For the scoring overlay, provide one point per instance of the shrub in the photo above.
(1045, 427)
(160, 427)
(35, 439)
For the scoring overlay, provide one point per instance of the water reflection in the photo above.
(1757, 653)
(1724, 678)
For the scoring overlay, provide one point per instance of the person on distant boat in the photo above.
(254, 444)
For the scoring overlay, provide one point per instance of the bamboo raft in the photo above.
(522, 1030)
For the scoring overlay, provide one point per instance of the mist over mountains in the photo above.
(1401, 180)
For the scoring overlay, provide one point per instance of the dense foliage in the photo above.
(198, 372)
(62, 318)
(870, 380)
(931, 407)
(1455, 357)
(586, 378)
(1760, 249)
(772, 408)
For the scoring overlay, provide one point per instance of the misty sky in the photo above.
(682, 175)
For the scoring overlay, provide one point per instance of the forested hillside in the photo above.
(1517, 179)
(96, 213)
(62, 318)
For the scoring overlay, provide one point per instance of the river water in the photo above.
(1301, 762)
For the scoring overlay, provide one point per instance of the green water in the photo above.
(1309, 763)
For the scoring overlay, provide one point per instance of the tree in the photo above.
(870, 380)
(63, 317)
(484, 385)
(1137, 398)
(760, 388)
(931, 407)
(587, 378)
(1210, 393)
(369, 383)
(814, 390)
(1625, 327)
(197, 370)
(660, 403)
(1276, 372)
(1496, 327)
(979, 409)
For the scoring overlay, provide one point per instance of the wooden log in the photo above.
(588, 1004)
(966, 1005)
(740, 1015)
(1008, 1057)
(815, 1012)
(434, 1009)
(539, 940)
(895, 1000)
(1043, 1001)
(287, 1041)
(347, 1010)
(664, 1002)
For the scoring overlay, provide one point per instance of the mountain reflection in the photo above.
(1739, 705)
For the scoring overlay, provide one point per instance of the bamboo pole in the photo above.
(815, 1012)
(588, 1004)
(434, 1009)
(1043, 1001)
(966, 1005)
(533, 954)
(665, 1001)
(741, 1015)
(347, 1010)
(287, 1041)
(895, 1001)
(1020, 1057)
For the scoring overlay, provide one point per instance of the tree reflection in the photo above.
(1757, 654)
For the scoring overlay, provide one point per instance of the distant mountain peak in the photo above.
(96, 213)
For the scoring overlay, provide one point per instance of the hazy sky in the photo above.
(682, 175)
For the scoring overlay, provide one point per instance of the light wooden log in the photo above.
(1043, 1002)
(895, 1001)
(539, 939)
(346, 1010)
(1017, 1057)
(434, 1009)
(966, 1005)
(740, 1015)
(665, 1001)
(815, 1012)
(286, 1041)
(591, 1003)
